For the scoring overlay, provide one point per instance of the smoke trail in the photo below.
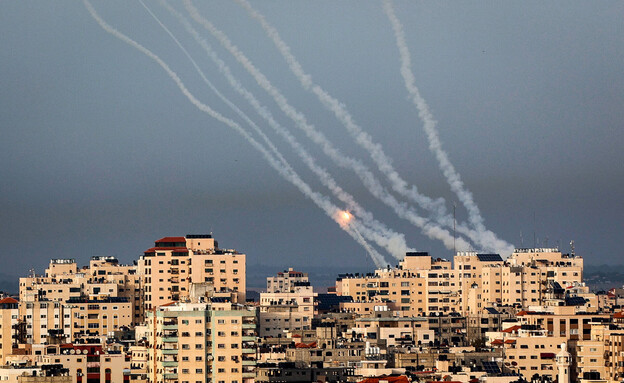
(383, 162)
(232, 106)
(370, 181)
(393, 242)
(486, 239)
(429, 125)
(321, 201)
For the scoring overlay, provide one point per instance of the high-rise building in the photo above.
(201, 342)
(174, 264)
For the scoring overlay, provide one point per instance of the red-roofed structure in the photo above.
(390, 379)
(8, 300)
(171, 240)
(497, 342)
(512, 329)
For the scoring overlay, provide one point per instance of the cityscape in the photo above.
(180, 313)
(402, 191)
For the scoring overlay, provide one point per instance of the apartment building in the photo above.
(563, 321)
(63, 280)
(9, 314)
(288, 304)
(528, 351)
(201, 342)
(286, 280)
(393, 331)
(175, 263)
(96, 318)
(420, 285)
(90, 363)
(469, 266)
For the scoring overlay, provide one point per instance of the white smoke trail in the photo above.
(321, 201)
(393, 242)
(486, 237)
(232, 106)
(383, 162)
(428, 228)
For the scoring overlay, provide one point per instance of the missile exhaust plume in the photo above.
(321, 201)
(428, 228)
(232, 106)
(393, 242)
(486, 237)
(383, 162)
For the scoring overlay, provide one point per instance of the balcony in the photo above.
(170, 339)
(249, 338)
(170, 351)
(170, 327)
(171, 376)
(249, 362)
(170, 363)
(249, 325)
(248, 351)
(249, 374)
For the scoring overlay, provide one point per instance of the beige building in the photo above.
(528, 352)
(288, 305)
(175, 263)
(9, 315)
(201, 342)
(42, 297)
(419, 286)
(393, 331)
(286, 281)
(90, 363)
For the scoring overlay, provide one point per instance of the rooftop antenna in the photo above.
(454, 233)
(534, 238)
(572, 247)
(521, 239)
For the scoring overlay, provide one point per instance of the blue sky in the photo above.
(102, 154)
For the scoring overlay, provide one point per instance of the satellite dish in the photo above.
(72, 351)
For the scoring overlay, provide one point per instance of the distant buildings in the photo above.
(179, 315)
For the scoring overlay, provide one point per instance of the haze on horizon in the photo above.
(102, 154)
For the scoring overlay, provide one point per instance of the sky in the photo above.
(102, 154)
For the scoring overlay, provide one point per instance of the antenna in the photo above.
(454, 233)
(521, 239)
(572, 247)
(534, 238)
